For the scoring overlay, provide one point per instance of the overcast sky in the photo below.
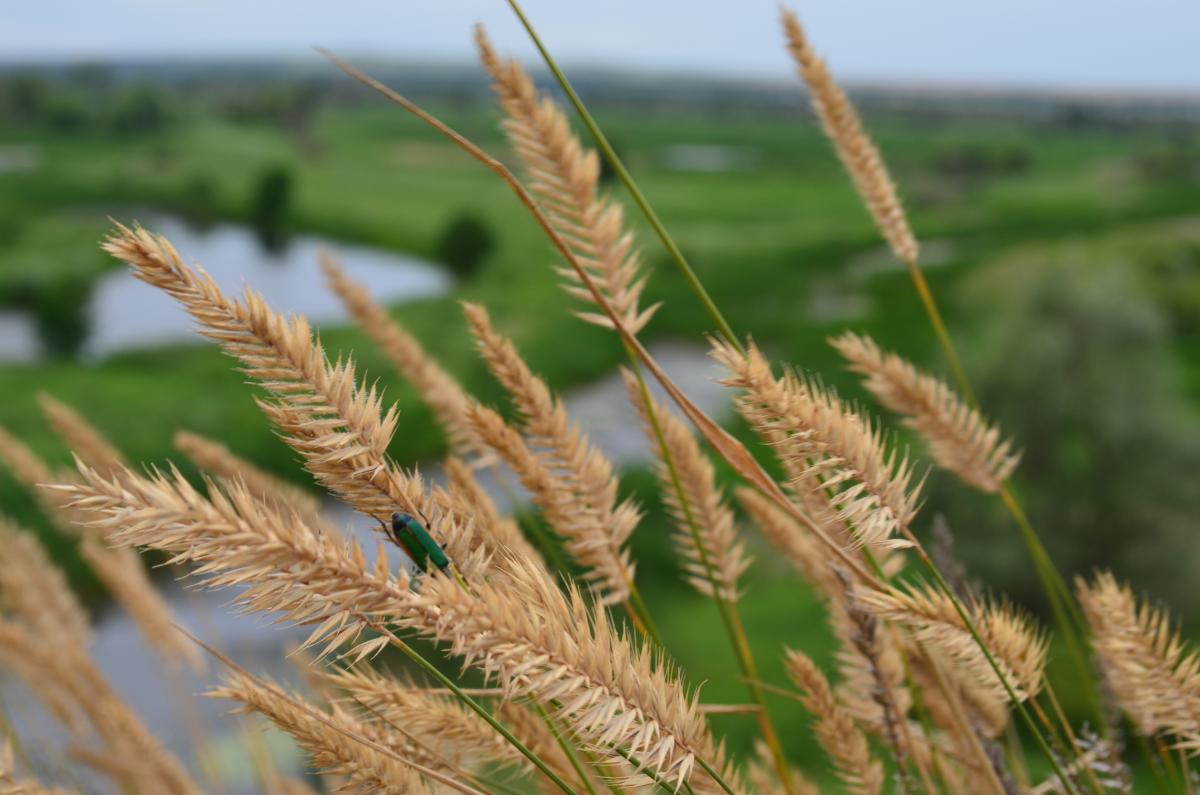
(1089, 44)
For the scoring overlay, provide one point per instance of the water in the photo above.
(20, 158)
(18, 337)
(126, 314)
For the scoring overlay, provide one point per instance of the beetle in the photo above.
(411, 536)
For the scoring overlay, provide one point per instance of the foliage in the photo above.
(465, 244)
(1096, 401)
(60, 311)
(139, 110)
(270, 210)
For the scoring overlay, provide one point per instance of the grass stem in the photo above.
(473, 705)
(728, 611)
(627, 180)
(566, 747)
(1059, 596)
(1026, 718)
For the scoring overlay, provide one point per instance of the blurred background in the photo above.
(1049, 156)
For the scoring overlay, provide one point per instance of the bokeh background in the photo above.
(1049, 156)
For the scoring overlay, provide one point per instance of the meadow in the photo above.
(779, 238)
(982, 188)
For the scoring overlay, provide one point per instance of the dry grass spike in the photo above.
(218, 461)
(439, 720)
(724, 558)
(554, 649)
(1016, 644)
(564, 176)
(959, 438)
(839, 454)
(79, 435)
(35, 590)
(835, 729)
(857, 152)
(440, 391)
(121, 571)
(335, 743)
(340, 427)
(1154, 676)
(571, 480)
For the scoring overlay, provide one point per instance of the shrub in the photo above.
(1074, 358)
(464, 244)
(60, 313)
(271, 206)
(140, 110)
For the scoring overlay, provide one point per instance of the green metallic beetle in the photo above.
(411, 536)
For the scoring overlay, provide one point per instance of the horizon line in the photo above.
(915, 85)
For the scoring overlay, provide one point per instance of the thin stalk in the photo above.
(635, 618)
(566, 747)
(1168, 761)
(1062, 718)
(1051, 579)
(1072, 747)
(472, 704)
(1186, 771)
(480, 780)
(953, 698)
(940, 330)
(608, 781)
(715, 776)
(1062, 603)
(627, 180)
(1061, 744)
(1040, 555)
(649, 629)
(641, 768)
(728, 611)
(746, 663)
(901, 721)
(1026, 718)
(1152, 764)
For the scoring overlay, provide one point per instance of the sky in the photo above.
(1093, 45)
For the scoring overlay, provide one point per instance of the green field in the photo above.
(778, 243)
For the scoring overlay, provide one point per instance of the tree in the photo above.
(140, 109)
(464, 244)
(1073, 355)
(272, 206)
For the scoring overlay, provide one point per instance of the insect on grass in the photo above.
(413, 537)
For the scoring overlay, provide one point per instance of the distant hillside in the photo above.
(659, 93)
